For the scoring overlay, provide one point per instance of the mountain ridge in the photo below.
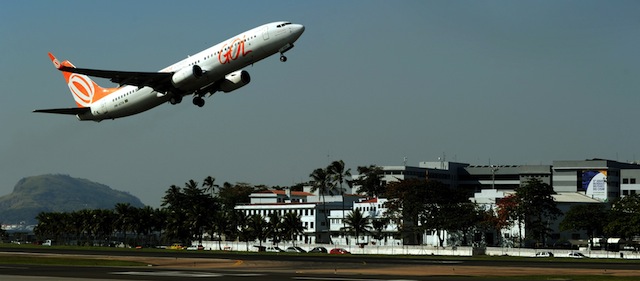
(58, 193)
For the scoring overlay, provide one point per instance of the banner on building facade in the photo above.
(595, 183)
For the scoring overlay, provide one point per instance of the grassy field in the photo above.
(13, 259)
(554, 278)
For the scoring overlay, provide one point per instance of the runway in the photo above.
(54, 273)
(167, 265)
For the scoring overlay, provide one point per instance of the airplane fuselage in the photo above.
(218, 68)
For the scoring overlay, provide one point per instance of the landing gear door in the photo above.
(265, 33)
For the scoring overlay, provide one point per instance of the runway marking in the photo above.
(13, 267)
(348, 279)
(170, 273)
(192, 274)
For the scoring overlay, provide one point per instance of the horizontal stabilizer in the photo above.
(70, 111)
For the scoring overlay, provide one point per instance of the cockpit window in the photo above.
(282, 25)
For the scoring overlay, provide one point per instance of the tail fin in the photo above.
(84, 90)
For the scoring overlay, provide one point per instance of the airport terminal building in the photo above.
(591, 181)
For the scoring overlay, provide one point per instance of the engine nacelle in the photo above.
(234, 81)
(186, 75)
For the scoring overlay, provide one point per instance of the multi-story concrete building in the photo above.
(592, 181)
(308, 205)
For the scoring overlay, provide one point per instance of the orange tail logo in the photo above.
(84, 90)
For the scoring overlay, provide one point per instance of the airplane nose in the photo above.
(298, 29)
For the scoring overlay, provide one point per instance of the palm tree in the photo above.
(46, 227)
(337, 175)
(194, 210)
(320, 181)
(145, 222)
(175, 203)
(221, 224)
(124, 221)
(259, 228)
(244, 232)
(275, 227)
(103, 221)
(291, 226)
(210, 184)
(357, 224)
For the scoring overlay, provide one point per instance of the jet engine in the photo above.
(186, 75)
(234, 81)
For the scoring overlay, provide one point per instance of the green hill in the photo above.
(58, 193)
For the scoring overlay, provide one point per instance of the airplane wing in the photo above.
(159, 81)
(69, 111)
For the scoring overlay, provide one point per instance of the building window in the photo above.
(625, 181)
(633, 180)
(625, 192)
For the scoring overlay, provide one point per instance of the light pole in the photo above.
(493, 176)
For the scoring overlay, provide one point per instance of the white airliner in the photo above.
(218, 68)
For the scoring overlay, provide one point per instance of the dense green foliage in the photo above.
(421, 205)
(187, 214)
(417, 206)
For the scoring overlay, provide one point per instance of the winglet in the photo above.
(55, 61)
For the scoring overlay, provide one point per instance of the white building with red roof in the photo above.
(308, 205)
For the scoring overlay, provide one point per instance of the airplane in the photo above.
(218, 68)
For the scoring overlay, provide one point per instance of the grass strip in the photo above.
(12, 259)
(554, 278)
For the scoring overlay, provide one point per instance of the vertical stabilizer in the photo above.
(84, 90)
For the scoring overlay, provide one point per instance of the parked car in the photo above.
(295, 250)
(176, 246)
(319, 250)
(576, 255)
(339, 251)
(195, 248)
(544, 254)
(274, 249)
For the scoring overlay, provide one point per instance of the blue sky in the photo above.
(369, 82)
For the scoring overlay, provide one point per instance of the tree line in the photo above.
(415, 206)
(187, 214)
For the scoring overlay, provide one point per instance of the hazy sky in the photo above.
(369, 82)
